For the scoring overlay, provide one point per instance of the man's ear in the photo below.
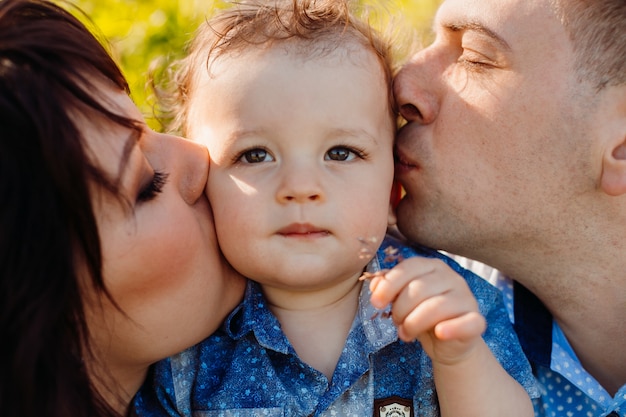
(613, 180)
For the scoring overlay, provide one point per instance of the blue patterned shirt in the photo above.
(566, 388)
(249, 368)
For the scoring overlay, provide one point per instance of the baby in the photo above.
(292, 98)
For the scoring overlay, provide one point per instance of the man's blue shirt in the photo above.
(566, 388)
(249, 368)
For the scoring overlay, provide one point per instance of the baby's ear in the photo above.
(613, 180)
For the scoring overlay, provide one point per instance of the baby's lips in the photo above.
(396, 193)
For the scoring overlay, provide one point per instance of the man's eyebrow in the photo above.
(477, 27)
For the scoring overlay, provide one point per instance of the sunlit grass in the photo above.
(140, 31)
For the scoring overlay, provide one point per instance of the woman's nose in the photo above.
(415, 89)
(187, 165)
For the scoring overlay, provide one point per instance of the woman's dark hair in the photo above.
(49, 242)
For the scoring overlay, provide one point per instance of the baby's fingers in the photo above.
(417, 319)
(450, 340)
(386, 288)
(464, 327)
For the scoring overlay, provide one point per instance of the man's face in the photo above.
(496, 149)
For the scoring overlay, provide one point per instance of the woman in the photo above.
(108, 254)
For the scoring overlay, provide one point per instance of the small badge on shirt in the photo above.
(393, 407)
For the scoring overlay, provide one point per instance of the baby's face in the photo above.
(301, 162)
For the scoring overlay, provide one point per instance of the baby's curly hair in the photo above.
(312, 28)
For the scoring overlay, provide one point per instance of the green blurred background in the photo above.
(140, 31)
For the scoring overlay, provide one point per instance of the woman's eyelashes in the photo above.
(154, 187)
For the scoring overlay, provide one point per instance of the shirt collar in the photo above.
(253, 316)
(533, 325)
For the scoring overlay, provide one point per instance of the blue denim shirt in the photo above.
(249, 368)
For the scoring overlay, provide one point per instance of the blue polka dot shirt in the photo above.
(567, 389)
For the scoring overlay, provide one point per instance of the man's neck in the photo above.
(597, 334)
(586, 297)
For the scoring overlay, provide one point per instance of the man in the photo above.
(514, 154)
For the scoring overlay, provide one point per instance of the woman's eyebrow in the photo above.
(129, 144)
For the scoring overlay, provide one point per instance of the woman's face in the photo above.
(161, 262)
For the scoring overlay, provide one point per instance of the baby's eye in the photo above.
(340, 153)
(254, 156)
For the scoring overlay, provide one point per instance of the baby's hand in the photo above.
(433, 304)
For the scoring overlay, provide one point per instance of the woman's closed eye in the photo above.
(154, 187)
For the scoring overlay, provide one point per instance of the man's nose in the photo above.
(415, 89)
